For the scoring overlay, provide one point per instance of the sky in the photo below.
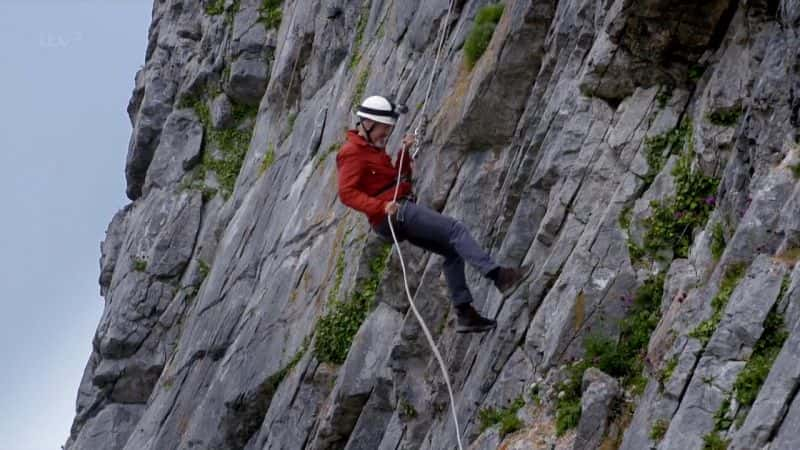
(66, 76)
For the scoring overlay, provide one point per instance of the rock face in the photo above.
(599, 391)
(641, 155)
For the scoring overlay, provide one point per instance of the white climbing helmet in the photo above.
(380, 109)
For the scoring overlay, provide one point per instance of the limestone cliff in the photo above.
(642, 155)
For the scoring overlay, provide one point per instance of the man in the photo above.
(367, 180)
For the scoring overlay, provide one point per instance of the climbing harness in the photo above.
(418, 134)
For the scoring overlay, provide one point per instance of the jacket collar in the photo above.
(355, 138)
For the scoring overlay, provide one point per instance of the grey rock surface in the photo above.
(599, 392)
(725, 355)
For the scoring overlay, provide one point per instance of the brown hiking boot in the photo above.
(508, 278)
(468, 320)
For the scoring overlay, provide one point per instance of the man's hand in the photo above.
(408, 141)
(391, 208)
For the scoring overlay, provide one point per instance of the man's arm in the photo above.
(349, 171)
(408, 142)
(406, 162)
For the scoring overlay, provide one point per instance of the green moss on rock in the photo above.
(621, 358)
(232, 143)
(481, 33)
(270, 13)
(269, 159)
(360, 27)
(506, 417)
(673, 221)
(725, 117)
(749, 381)
(659, 429)
(337, 328)
(215, 7)
(706, 328)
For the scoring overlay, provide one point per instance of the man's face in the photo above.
(379, 133)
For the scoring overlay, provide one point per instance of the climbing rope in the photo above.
(418, 134)
(422, 125)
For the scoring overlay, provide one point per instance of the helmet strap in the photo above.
(367, 131)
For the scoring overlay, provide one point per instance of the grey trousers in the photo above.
(443, 235)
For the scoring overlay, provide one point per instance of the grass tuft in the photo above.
(749, 381)
(270, 14)
(361, 85)
(673, 221)
(713, 441)
(269, 159)
(506, 417)
(337, 328)
(622, 358)
(725, 117)
(659, 429)
(481, 33)
(215, 7)
(706, 328)
(717, 241)
(360, 27)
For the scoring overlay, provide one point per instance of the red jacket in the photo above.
(363, 171)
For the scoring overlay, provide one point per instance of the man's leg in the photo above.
(440, 234)
(453, 268)
(468, 320)
(423, 223)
